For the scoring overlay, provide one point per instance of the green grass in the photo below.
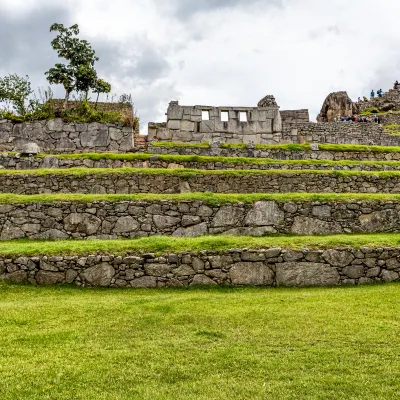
(204, 145)
(213, 159)
(162, 244)
(205, 197)
(187, 173)
(301, 147)
(392, 129)
(199, 344)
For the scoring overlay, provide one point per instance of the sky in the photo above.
(214, 52)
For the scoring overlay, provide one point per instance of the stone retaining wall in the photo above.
(23, 163)
(56, 136)
(103, 220)
(142, 182)
(269, 267)
(279, 154)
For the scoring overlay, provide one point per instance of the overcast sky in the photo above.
(215, 52)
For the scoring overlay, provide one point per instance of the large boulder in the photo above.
(337, 104)
(29, 148)
(267, 101)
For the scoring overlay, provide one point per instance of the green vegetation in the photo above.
(199, 344)
(300, 147)
(187, 173)
(206, 197)
(205, 145)
(392, 129)
(161, 244)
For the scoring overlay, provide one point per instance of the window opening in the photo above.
(243, 116)
(224, 116)
(205, 115)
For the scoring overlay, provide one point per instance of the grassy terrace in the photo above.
(188, 172)
(206, 197)
(214, 159)
(199, 344)
(291, 147)
(161, 244)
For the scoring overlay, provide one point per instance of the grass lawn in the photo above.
(243, 343)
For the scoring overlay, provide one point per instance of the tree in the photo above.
(80, 74)
(16, 90)
(101, 86)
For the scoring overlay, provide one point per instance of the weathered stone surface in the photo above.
(11, 232)
(158, 269)
(389, 276)
(306, 274)
(379, 221)
(354, 271)
(254, 274)
(84, 223)
(126, 224)
(99, 275)
(337, 104)
(49, 278)
(144, 282)
(338, 258)
(15, 277)
(312, 226)
(265, 213)
(162, 221)
(29, 148)
(227, 216)
(192, 231)
(202, 280)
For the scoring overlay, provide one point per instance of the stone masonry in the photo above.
(265, 267)
(130, 219)
(184, 181)
(56, 136)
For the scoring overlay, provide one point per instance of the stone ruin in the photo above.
(248, 125)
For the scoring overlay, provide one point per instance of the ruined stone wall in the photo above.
(267, 267)
(26, 163)
(187, 124)
(193, 181)
(295, 116)
(279, 154)
(56, 136)
(131, 219)
(339, 133)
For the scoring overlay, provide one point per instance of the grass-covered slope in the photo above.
(161, 244)
(286, 344)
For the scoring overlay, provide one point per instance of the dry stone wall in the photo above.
(56, 136)
(27, 163)
(219, 182)
(129, 219)
(267, 267)
(279, 154)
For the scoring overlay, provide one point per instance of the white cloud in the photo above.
(235, 52)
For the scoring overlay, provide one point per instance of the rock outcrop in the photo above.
(337, 104)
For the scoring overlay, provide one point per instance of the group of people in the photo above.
(356, 118)
(365, 99)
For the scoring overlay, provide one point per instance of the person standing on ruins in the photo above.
(372, 94)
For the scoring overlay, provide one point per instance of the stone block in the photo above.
(174, 124)
(251, 273)
(207, 126)
(187, 126)
(313, 226)
(175, 112)
(306, 274)
(265, 213)
(99, 275)
(264, 126)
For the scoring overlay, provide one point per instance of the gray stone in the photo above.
(184, 270)
(227, 216)
(99, 275)
(188, 220)
(125, 225)
(49, 278)
(322, 211)
(312, 226)
(15, 277)
(144, 282)
(11, 233)
(338, 258)
(29, 148)
(379, 221)
(163, 221)
(202, 280)
(160, 270)
(82, 223)
(306, 274)
(389, 276)
(70, 276)
(51, 234)
(354, 271)
(254, 274)
(50, 162)
(192, 231)
(265, 213)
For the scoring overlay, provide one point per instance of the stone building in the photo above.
(248, 125)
